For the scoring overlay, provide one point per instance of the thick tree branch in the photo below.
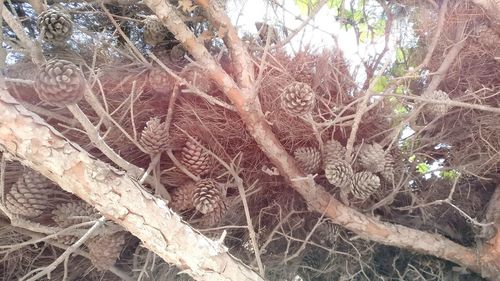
(365, 226)
(115, 195)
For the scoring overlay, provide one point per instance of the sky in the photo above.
(318, 34)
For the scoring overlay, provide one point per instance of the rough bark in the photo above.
(118, 197)
(248, 107)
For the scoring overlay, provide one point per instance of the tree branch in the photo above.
(318, 199)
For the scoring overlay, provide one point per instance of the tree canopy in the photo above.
(316, 140)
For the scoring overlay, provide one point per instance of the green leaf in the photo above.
(423, 168)
(401, 109)
(380, 84)
(450, 175)
(412, 158)
(400, 56)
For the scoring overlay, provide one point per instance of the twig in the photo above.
(124, 36)
(34, 49)
(251, 230)
(194, 89)
(180, 166)
(437, 34)
(48, 269)
(446, 102)
(93, 135)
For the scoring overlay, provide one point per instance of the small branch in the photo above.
(93, 134)
(48, 269)
(447, 102)
(124, 36)
(437, 35)
(191, 87)
(28, 43)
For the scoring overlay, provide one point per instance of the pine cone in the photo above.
(182, 197)
(298, 99)
(177, 53)
(364, 184)
(154, 31)
(214, 217)
(195, 158)
(160, 80)
(72, 213)
(104, 250)
(388, 172)
(60, 83)
(333, 151)
(327, 232)
(55, 26)
(30, 195)
(372, 157)
(339, 173)
(206, 196)
(308, 159)
(154, 136)
(266, 30)
(435, 110)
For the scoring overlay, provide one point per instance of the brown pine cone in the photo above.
(154, 136)
(160, 80)
(30, 195)
(177, 53)
(154, 31)
(266, 30)
(206, 196)
(195, 158)
(364, 184)
(55, 26)
(436, 110)
(214, 217)
(105, 249)
(388, 171)
(72, 213)
(308, 159)
(372, 157)
(298, 99)
(60, 83)
(182, 197)
(333, 151)
(339, 173)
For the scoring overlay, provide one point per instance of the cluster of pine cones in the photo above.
(205, 195)
(58, 82)
(33, 196)
(372, 161)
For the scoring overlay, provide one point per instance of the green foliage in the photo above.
(450, 175)
(423, 168)
(380, 84)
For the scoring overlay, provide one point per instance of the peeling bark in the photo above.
(115, 195)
